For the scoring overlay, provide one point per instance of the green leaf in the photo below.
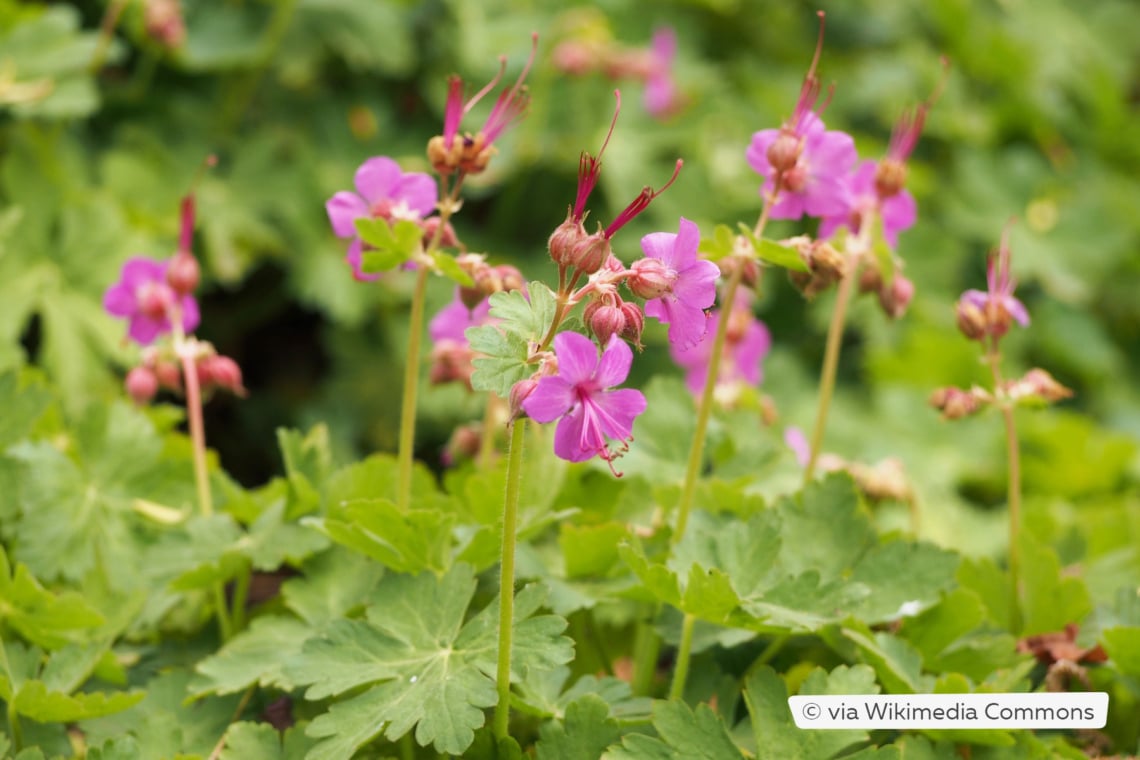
(685, 735)
(408, 542)
(523, 321)
(392, 243)
(333, 583)
(425, 668)
(24, 400)
(50, 58)
(897, 663)
(775, 253)
(41, 617)
(261, 741)
(308, 463)
(1052, 599)
(583, 734)
(273, 542)
(900, 572)
(446, 265)
(777, 735)
(255, 656)
(122, 748)
(1123, 646)
(591, 550)
(34, 700)
(720, 245)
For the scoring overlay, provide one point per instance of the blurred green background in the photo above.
(1038, 121)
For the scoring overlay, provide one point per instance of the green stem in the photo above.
(1013, 451)
(646, 647)
(507, 578)
(244, 88)
(411, 386)
(197, 429)
(241, 596)
(407, 745)
(106, 32)
(681, 671)
(830, 365)
(704, 409)
(225, 627)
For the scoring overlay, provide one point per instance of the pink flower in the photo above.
(997, 305)
(582, 399)
(678, 284)
(453, 320)
(383, 191)
(898, 211)
(661, 96)
(815, 183)
(146, 300)
(747, 342)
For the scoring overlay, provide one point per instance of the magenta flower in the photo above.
(453, 320)
(898, 211)
(661, 96)
(997, 305)
(747, 342)
(383, 191)
(679, 286)
(815, 184)
(146, 300)
(582, 398)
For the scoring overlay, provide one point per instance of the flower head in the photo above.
(898, 211)
(996, 307)
(145, 298)
(661, 96)
(581, 397)
(383, 191)
(453, 320)
(747, 342)
(679, 286)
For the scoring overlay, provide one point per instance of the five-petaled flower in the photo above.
(747, 342)
(990, 312)
(678, 285)
(898, 211)
(383, 191)
(145, 298)
(582, 398)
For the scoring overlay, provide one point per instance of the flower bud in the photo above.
(563, 241)
(510, 277)
(164, 22)
(520, 391)
(634, 323)
(169, 375)
(751, 274)
(785, 151)
(590, 253)
(463, 444)
(896, 297)
(955, 403)
(870, 280)
(651, 278)
(154, 298)
(827, 263)
(141, 385)
(447, 238)
(796, 179)
(451, 363)
(183, 273)
(971, 320)
(217, 371)
(1038, 384)
(605, 320)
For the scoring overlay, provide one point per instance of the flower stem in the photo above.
(646, 647)
(704, 409)
(507, 578)
(681, 671)
(197, 430)
(240, 598)
(411, 386)
(830, 366)
(1013, 452)
(15, 730)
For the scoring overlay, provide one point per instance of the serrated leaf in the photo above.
(333, 583)
(392, 243)
(503, 362)
(261, 741)
(1123, 646)
(777, 736)
(897, 663)
(255, 656)
(23, 401)
(591, 550)
(720, 245)
(122, 748)
(427, 670)
(406, 541)
(34, 700)
(583, 734)
(685, 735)
(272, 541)
(777, 254)
(901, 572)
(446, 265)
(308, 462)
(1051, 599)
(41, 617)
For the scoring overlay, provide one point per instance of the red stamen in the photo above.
(590, 167)
(640, 203)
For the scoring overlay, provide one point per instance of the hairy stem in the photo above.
(411, 386)
(704, 408)
(646, 647)
(507, 578)
(1013, 452)
(827, 375)
(681, 670)
(197, 430)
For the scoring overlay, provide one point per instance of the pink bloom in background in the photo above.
(898, 211)
(682, 286)
(582, 399)
(453, 320)
(146, 300)
(998, 304)
(798, 443)
(383, 191)
(661, 96)
(747, 342)
(816, 184)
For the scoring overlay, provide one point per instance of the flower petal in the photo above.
(551, 398)
(757, 152)
(376, 179)
(419, 191)
(191, 317)
(120, 301)
(568, 437)
(344, 209)
(355, 259)
(613, 367)
(687, 327)
(1016, 310)
(696, 284)
(660, 246)
(577, 357)
(616, 409)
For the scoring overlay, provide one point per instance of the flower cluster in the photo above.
(747, 342)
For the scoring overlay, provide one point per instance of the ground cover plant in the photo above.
(389, 379)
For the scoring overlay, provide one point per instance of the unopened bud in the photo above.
(896, 297)
(634, 323)
(520, 391)
(955, 403)
(474, 266)
(510, 277)
(464, 444)
(784, 152)
(183, 273)
(447, 238)
(751, 269)
(563, 241)
(605, 320)
(971, 320)
(164, 22)
(870, 281)
(451, 363)
(141, 385)
(827, 263)
(590, 253)
(796, 179)
(221, 372)
(1038, 384)
(651, 278)
(169, 375)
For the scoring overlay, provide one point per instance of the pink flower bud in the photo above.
(447, 238)
(169, 375)
(463, 444)
(634, 323)
(896, 297)
(971, 320)
(955, 403)
(141, 385)
(520, 391)
(563, 241)
(651, 278)
(221, 372)
(590, 253)
(183, 273)
(785, 151)
(604, 321)
(511, 277)
(749, 277)
(164, 22)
